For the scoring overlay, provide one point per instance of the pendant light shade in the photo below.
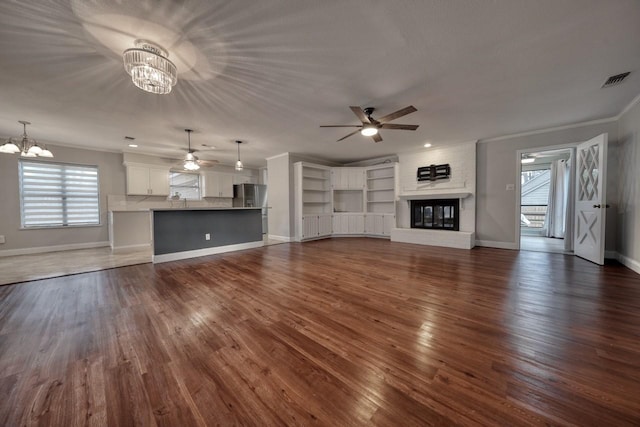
(239, 165)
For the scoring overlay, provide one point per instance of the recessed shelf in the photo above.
(381, 189)
(380, 177)
(380, 201)
(320, 178)
(314, 203)
(315, 190)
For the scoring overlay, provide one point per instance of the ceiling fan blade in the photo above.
(403, 112)
(347, 136)
(358, 112)
(401, 127)
(341, 126)
(376, 137)
(208, 163)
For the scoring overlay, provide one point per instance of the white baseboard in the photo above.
(129, 247)
(279, 238)
(57, 248)
(629, 262)
(498, 245)
(175, 256)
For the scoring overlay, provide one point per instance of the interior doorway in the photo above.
(546, 200)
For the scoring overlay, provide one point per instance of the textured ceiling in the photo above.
(271, 72)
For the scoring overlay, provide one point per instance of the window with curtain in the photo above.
(185, 185)
(58, 194)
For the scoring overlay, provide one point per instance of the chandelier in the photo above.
(24, 145)
(149, 68)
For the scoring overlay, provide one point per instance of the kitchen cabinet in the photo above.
(347, 178)
(218, 184)
(244, 179)
(147, 181)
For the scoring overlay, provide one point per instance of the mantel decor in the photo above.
(434, 172)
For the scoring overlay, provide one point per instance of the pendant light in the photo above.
(190, 161)
(239, 165)
(24, 145)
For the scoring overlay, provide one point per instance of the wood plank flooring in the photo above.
(334, 332)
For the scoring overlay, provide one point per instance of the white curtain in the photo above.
(556, 219)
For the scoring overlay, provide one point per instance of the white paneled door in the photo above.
(591, 192)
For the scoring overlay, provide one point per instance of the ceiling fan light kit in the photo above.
(24, 145)
(149, 67)
(370, 126)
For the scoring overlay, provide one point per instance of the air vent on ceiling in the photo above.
(615, 80)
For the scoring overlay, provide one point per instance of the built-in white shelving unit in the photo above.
(344, 201)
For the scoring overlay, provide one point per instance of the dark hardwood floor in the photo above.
(335, 332)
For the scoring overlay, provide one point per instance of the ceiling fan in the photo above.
(191, 162)
(370, 126)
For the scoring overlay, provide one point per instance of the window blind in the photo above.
(187, 185)
(58, 194)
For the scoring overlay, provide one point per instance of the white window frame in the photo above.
(172, 187)
(57, 225)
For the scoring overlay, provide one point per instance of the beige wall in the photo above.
(628, 209)
(497, 167)
(280, 188)
(111, 175)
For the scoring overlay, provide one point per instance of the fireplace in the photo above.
(436, 214)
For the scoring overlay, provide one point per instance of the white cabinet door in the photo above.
(137, 180)
(324, 225)
(356, 224)
(340, 224)
(389, 222)
(211, 188)
(309, 226)
(158, 182)
(375, 224)
(226, 185)
(244, 179)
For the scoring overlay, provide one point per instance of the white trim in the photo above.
(175, 256)
(57, 248)
(128, 247)
(279, 238)
(552, 129)
(626, 109)
(276, 156)
(628, 262)
(498, 245)
(433, 194)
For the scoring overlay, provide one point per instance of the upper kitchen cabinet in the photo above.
(244, 179)
(145, 180)
(218, 184)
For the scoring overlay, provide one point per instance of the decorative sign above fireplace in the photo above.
(434, 172)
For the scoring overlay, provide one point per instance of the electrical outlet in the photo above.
(207, 236)
(2, 239)
(511, 187)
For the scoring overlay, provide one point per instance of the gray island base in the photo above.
(188, 233)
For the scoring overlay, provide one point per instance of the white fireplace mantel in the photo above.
(433, 194)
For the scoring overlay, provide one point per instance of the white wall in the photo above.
(462, 160)
(628, 209)
(111, 175)
(280, 188)
(497, 167)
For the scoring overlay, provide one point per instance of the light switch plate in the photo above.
(207, 236)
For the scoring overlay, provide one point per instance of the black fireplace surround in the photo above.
(436, 214)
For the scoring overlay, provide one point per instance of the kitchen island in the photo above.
(193, 232)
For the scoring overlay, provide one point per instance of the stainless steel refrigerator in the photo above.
(252, 196)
